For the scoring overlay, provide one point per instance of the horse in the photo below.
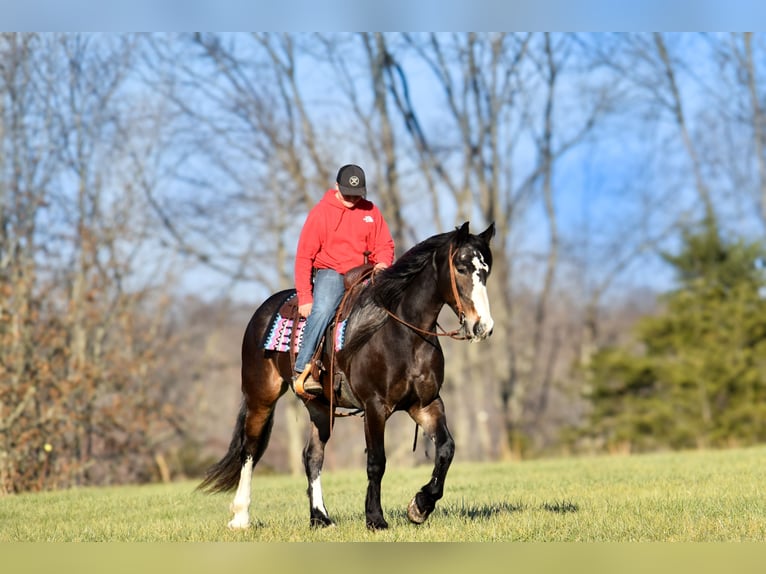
(392, 361)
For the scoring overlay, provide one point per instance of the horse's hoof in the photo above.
(377, 524)
(414, 513)
(238, 524)
(321, 523)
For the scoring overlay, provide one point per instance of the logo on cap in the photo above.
(353, 181)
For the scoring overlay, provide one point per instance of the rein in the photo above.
(454, 334)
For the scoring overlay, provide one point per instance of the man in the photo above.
(337, 233)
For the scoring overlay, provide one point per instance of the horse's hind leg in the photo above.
(258, 425)
(434, 423)
(262, 385)
(240, 506)
(313, 459)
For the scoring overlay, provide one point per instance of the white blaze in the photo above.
(479, 294)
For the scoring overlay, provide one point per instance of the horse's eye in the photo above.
(462, 269)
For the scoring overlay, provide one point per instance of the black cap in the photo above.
(351, 180)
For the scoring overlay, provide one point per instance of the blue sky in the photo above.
(389, 15)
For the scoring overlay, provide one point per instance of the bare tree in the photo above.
(84, 352)
(26, 170)
(263, 162)
(491, 86)
(735, 145)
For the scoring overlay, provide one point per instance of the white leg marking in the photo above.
(317, 501)
(241, 503)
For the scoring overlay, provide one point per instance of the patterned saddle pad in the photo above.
(281, 329)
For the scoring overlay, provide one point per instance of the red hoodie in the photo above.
(336, 237)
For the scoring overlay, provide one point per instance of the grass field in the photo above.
(689, 496)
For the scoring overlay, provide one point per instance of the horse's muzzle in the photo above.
(479, 330)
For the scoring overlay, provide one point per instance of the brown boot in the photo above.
(312, 386)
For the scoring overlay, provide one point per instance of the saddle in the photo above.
(289, 309)
(353, 280)
(355, 276)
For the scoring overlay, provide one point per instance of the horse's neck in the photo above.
(422, 303)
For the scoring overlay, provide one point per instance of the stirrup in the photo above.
(299, 382)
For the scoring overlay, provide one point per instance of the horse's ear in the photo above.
(488, 233)
(462, 232)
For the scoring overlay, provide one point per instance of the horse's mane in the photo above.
(387, 288)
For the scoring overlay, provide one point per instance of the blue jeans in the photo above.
(328, 292)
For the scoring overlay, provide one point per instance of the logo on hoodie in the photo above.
(368, 219)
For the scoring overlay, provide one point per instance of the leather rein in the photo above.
(454, 334)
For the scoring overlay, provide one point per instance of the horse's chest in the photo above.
(420, 382)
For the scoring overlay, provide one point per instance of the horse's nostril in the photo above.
(478, 329)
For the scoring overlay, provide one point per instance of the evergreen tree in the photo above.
(698, 374)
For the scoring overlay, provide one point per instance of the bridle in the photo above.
(454, 334)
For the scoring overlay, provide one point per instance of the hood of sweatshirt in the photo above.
(335, 210)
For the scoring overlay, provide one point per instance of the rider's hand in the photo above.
(305, 309)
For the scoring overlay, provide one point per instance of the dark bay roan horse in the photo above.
(392, 361)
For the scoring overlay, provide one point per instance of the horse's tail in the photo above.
(224, 475)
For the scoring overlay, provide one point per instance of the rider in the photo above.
(338, 231)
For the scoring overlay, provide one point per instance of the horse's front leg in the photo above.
(313, 459)
(374, 433)
(434, 423)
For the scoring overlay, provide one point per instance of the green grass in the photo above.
(689, 496)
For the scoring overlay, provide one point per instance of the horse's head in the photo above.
(471, 263)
